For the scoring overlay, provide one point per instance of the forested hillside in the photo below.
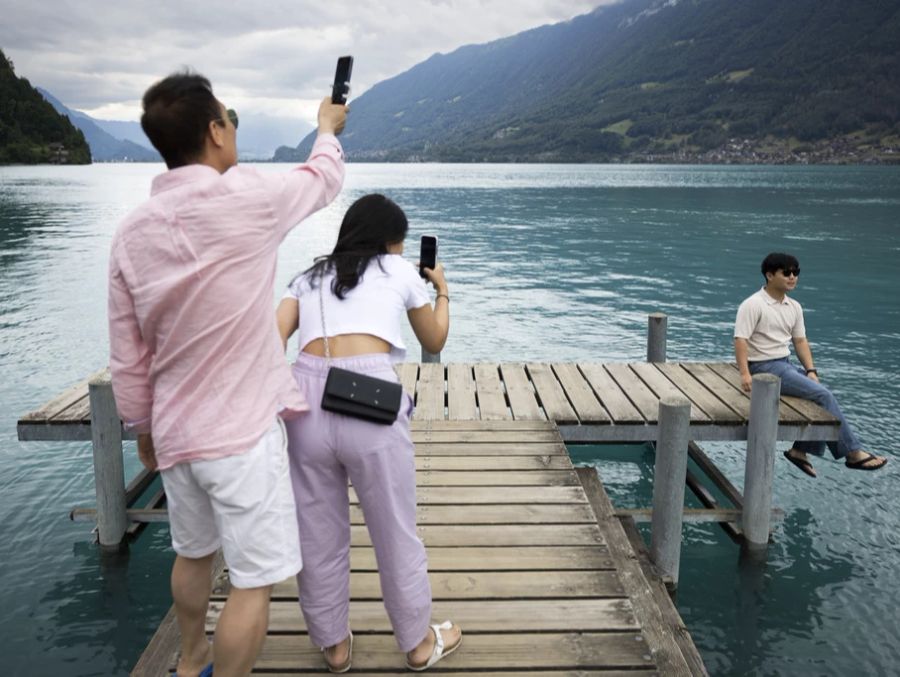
(657, 80)
(31, 131)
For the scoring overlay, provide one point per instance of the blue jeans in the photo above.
(796, 383)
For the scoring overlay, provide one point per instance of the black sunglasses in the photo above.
(232, 115)
(787, 272)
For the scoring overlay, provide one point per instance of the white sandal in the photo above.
(439, 650)
(338, 669)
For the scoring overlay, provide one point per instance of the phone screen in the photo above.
(342, 79)
(427, 253)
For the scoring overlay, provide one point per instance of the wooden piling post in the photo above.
(109, 470)
(657, 326)
(430, 357)
(668, 484)
(760, 468)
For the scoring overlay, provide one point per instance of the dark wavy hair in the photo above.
(778, 261)
(371, 224)
(177, 112)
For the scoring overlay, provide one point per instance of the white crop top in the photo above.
(375, 306)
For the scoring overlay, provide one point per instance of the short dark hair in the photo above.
(177, 113)
(778, 261)
(371, 224)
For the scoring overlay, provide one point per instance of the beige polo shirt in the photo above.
(769, 325)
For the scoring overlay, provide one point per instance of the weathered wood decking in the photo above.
(534, 566)
(591, 402)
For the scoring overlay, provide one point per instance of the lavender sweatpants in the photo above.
(325, 449)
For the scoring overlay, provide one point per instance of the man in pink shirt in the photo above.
(198, 369)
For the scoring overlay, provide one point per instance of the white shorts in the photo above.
(243, 504)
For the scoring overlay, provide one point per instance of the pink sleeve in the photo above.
(129, 357)
(311, 186)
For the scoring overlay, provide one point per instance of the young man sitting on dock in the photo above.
(766, 323)
(197, 361)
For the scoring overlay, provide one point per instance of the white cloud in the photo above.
(271, 56)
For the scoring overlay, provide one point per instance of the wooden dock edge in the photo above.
(160, 654)
(667, 637)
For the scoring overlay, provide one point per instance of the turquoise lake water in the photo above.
(544, 263)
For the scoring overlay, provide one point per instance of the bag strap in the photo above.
(322, 314)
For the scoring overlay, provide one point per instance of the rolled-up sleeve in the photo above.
(129, 356)
(310, 186)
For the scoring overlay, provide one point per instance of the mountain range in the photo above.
(683, 80)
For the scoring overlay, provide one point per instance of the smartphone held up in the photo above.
(427, 254)
(341, 87)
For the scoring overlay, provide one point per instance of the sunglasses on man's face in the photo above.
(795, 272)
(232, 115)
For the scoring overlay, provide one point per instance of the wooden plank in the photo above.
(524, 437)
(78, 412)
(637, 392)
(715, 408)
(483, 426)
(408, 372)
(496, 462)
(736, 399)
(568, 513)
(484, 586)
(495, 478)
(550, 393)
(461, 404)
(667, 608)
(430, 392)
(476, 495)
(490, 394)
(63, 401)
(786, 414)
(465, 449)
(663, 387)
(527, 558)
(656, 628)
(521, 396)
(579, 392)
(497, 535)
(610, 394)
(516, 651)
(584, 615)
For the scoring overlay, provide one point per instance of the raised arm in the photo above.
(432, 324)
(287, 315)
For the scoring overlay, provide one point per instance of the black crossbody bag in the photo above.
(357, 395)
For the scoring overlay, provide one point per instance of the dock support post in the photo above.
(760, 469)
(430, 357)
(109, 466)
(657, 326)
(668, 484)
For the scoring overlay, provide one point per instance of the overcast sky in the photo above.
(263, 56)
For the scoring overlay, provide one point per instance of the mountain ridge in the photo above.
(652, 80)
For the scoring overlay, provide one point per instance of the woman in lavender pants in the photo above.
(360, 292)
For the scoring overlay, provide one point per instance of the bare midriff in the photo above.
(348, 345)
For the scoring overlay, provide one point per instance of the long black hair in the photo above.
(371, 224)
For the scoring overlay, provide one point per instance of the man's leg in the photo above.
(241, 631)
(191, 581)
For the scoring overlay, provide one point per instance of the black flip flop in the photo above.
(801, 463)
(861, 463)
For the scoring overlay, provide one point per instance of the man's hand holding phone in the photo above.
(332, 117)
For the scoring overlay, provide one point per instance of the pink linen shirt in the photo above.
(195, 353)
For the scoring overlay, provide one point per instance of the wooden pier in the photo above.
(531, 563)
(525, 552)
